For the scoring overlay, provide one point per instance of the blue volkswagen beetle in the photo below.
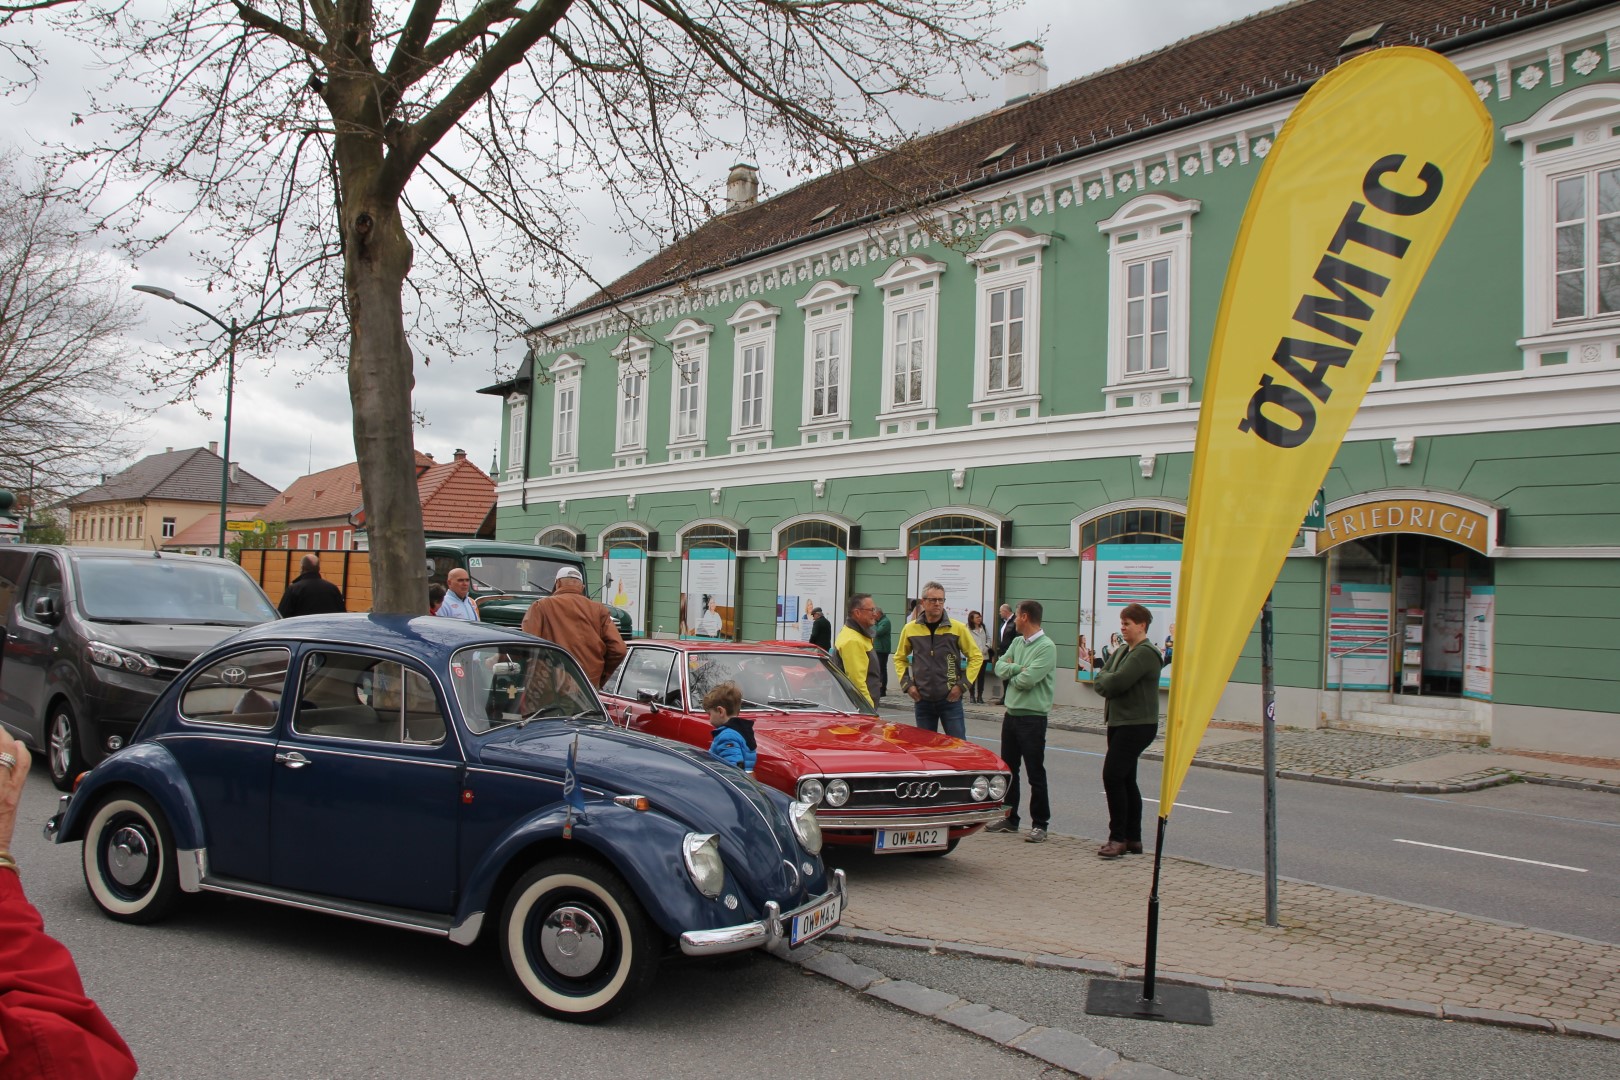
(440, 776)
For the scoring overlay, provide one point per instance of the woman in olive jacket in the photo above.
(1129, 680)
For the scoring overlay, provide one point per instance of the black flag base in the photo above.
(1175, 1004)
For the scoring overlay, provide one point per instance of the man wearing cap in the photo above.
(579, 624)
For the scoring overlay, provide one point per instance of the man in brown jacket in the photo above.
(579, 624)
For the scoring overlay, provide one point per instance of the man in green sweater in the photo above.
(1029, 671)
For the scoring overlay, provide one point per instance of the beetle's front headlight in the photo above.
(805, 826)
(810, 790)
(702, 854)
(998, 787)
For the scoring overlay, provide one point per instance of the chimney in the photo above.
(168, 449)
(742, 186)
(1026, 72)
(460, 454)
(213, 447)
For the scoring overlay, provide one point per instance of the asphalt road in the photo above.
(1531, 854)
(234, 988)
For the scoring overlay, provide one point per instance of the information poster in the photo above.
(967, 572)
(1479, 642)
(624, 584)
(809, 576)
(1113, 576)
(709, 593)
(1358, 638)
(1444, 598)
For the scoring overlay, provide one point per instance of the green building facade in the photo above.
(820, 394)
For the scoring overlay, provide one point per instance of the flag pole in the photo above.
(1151, 962)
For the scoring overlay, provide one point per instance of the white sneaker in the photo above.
(1036, 836)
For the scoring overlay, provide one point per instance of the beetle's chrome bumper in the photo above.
(54, 825)
(764, 932)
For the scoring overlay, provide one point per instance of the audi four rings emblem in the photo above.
(917, 789)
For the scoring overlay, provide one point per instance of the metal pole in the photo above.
(1268, 699)
(225, 465)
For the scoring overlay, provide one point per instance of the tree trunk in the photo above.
(377, 257)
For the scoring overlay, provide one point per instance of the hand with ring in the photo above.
(14, 762)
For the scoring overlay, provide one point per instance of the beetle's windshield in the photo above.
(781, 682)
(514, 684)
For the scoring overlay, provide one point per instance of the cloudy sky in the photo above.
(286, 424)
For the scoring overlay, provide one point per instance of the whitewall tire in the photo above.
(129, 859)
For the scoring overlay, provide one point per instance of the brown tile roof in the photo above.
(330, 493)
(182, 475)
(1276, 53)
(456, 498)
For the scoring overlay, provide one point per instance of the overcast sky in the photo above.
(284, 426)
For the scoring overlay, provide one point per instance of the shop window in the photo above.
(1149, 246)
(812, 570)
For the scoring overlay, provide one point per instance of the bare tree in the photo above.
(430, 162)
(63, 317)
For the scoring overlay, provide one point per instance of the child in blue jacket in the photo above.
(733, 736)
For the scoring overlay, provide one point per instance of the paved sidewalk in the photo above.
(1057, 904)
(1362, 759)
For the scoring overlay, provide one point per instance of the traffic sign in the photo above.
(254, 526)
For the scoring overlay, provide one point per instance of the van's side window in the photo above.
(45, 582)
(12, 564)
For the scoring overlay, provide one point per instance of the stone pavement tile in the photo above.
(1138, 1070)
(911, 996)
(1067, 1050)
(987, 1022)
(1056, 899)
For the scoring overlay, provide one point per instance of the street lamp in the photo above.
(233, 330)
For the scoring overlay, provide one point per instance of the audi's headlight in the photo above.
(805, 825)
(702, 854)
(998, 787)
(980, 789)
(837, 792)
(114, 657)
(810, 791)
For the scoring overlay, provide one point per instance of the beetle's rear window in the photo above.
(512, 684)
(242, 690)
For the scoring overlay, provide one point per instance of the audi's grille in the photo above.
(909, 792)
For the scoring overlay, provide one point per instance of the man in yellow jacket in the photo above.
(852, 649)
(937, 660)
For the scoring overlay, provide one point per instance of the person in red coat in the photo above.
(48, 1029)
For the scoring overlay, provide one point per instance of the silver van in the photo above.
(92, 635)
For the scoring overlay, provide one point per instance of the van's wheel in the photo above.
(62, 747)
(577, 941)
(129, 859)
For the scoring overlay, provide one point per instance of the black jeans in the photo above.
(1125, 746)
(1023, 740)
(883, 669)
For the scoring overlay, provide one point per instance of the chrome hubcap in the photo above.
(61, 744)
(128, 856)
(571, 940)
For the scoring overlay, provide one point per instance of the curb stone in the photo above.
(1066, 1050)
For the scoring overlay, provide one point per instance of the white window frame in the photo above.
(828, 307)
(910, 288)
(517, 434)
(1009, 259)
(753, 326)
(689, 390)
(1146, 229)
(566, 385)
(1572, 134)
(634, 355)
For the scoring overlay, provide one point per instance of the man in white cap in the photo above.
(579, 624)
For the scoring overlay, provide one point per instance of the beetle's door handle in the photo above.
(293, 760)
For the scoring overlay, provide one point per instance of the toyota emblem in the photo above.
(917, 789)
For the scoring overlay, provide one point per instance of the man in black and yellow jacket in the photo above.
(937, 660)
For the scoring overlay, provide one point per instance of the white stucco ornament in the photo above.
(1157, 174)
(1191, 166)
(1262, 146)
(1483, 88)
(1125, 183)
(1094, 191)
(1226, 156)
(1530, 77)
(1586, 63)
(1065, 198)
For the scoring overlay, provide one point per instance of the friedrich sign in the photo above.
(1469, 528)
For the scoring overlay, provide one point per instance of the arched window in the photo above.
(1129, 554)
(709, 580)
(1139, 526)
(812, 570)
(625, 569)
(957, 549)
(562, 536)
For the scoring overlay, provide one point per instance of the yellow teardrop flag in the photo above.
(1364, 181)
